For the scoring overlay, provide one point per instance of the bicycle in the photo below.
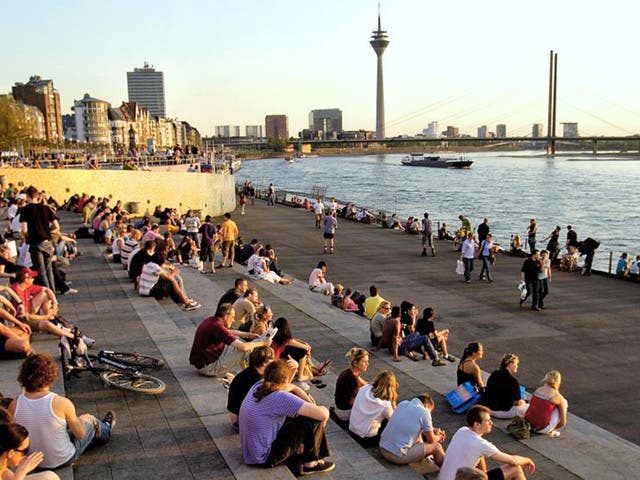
(116, 369)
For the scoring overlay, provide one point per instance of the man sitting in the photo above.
(410, 436)
(240, 286)
(216, 349)
(160, 280)
(318, 282)
(372, 302)
(468, 449)
(245, 307)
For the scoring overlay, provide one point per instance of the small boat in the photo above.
(436, 161)
(289, 160)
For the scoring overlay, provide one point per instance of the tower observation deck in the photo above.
(379, 42)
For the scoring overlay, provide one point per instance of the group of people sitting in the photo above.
(627, 268)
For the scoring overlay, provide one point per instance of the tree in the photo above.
(277, 144)
(14, 124)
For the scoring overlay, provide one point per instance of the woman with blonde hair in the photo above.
(350, 382)
(373, 406)
(547, 411)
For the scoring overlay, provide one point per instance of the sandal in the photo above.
(554, 433)
(321, 385)
(322, 370)
(315, 381)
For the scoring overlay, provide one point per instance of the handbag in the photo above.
(519, 428)
(459, 267)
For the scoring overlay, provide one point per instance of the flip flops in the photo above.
(322, 370)
(318, 383)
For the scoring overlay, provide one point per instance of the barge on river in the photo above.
(436, 161)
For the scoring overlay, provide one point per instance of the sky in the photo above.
(231, 62)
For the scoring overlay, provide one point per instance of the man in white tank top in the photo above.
(51, 419)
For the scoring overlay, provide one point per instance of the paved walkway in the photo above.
(184, 431)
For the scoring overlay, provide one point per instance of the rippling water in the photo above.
(599, 198)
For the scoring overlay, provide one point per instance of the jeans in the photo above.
(97, 432)
(531, 240)
(486, 267)
(544, 291)
(533, 289)
(468, 268)
(41, 255)
(295, 432)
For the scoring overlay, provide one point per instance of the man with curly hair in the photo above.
(54, 427)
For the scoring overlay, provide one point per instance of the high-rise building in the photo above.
(379, 42)
(537, 131)
(92, 120)
(432, 130)
(254, 131)
(146, 86)
(276, 126)
(41, 94)
(452, 132)
(482, 131)
(501, 130)
(570, 130)
(329, 120)
(227, 131)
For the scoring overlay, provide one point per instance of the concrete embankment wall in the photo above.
(213, 194)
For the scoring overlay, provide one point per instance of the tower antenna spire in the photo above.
(379, 42)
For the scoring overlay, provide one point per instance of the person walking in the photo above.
(467, 254)
(427, 235)
(532, 229)
(544, 277)
(529, 275)
(483, 230)
(330, 224)
(318, 210)
(484, 253)
(229, 233)
(271, 195)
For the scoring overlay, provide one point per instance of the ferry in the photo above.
(436, 161)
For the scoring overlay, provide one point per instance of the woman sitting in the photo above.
(349, 382)
(337, 297)
(547, 411)
(569, 261)
(187, 249)
(414, 341)
(373, 405)
(438, 338)
(443, 233)
(258, 263)
(468, 369)
(279, 422)
(347, 302)
(261, 320)
(502, 393)
(285, 345)
(16, 462)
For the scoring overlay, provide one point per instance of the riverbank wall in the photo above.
(211, 193)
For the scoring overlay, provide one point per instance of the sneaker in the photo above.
(450, 358)
(110, 419)
(303, 385)
(191, 306)
(321, 467)
(90, 342)
(438, 363)
(71, 291)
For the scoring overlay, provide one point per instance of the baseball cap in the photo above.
(24, 273)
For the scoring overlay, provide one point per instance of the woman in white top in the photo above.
(544, 276)
(258, 262)
(54, 427)
(486, 247)
(374, 404)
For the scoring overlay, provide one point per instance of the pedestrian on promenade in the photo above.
(251, 192)
(529, 275)
(572, 237)
(485, 252)
(228, 232)
(242, 199)
(38, 221)
(330, 225)
(427, 235)
(51, 419)
(467, 253)
(544, 276)
(483, 230)
(532, 229)
(410, 435)
(271, 195)
(553, 247)
(468, 449)
(192, 223)
(318, 210)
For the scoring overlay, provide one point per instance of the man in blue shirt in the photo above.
(410, 436)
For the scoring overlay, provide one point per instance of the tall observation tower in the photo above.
(379, 43)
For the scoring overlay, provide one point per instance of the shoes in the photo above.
(110, 419)
(424, 253)
(450, 358)
(438, 363)
(412, 356)
(467, 281)
(521, 302)
(303, 385)
(89, 342)
(219, 266)
(331, 251)
(192, 305)
(71, 291)
(321, 466)
(535, 309)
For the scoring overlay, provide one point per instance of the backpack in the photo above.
(519, 428)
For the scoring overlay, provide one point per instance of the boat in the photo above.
(289, 160)
(436, 161)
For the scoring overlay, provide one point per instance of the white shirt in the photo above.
(368, 412)
(468, 248)
(316, 278)
(465, 450)
(149, 277)
(318, 208)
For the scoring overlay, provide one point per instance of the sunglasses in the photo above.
(23, 451)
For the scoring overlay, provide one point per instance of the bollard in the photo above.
(610, 261)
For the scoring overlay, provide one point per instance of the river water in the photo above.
(599, 197)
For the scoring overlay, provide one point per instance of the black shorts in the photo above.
(329, 236)
(495, 474)
(3, 352)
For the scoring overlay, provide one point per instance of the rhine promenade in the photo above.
(589, 332)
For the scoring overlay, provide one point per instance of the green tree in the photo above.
(14, 124)
(277, 144)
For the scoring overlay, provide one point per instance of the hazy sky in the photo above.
(464, 63)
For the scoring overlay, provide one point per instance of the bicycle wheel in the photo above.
(140, 383)
(133, 359)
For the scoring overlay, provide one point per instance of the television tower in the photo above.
(379, 42)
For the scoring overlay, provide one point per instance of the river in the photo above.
(598, 196)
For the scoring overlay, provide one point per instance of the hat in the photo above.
(21, 196)
(25, 273)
